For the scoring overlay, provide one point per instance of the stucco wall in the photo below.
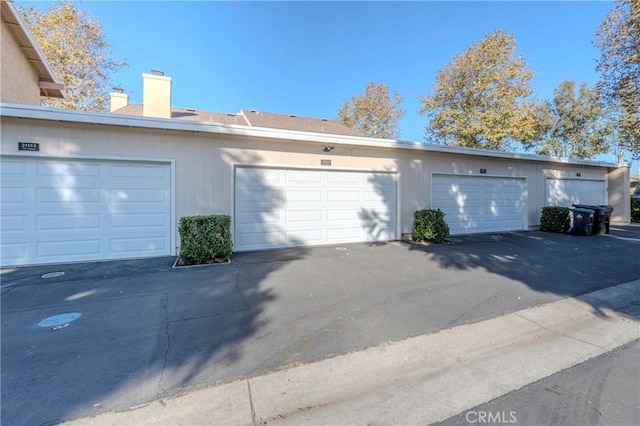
(619, 188)
(18, 79)
(204, 162)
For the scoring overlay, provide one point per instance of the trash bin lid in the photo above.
(607, 208)
(582, 210)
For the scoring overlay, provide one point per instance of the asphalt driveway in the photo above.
(148, 331)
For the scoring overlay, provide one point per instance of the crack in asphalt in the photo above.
(253, 410)
(161, 389)
(244, 299)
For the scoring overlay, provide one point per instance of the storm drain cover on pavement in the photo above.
(53, 275)
(59, 319)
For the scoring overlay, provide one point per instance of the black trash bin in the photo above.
(599, 226)
(582, 221)
(608, 209)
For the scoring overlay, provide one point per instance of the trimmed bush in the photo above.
(205, 239)
(635, 209)
(429, 225)
(555, 219)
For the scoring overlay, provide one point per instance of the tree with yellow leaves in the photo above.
(375, 113)
(75, 46)
(480, 99)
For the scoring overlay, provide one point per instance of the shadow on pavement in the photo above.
(564, 265)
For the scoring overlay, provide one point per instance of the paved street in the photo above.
(148, 331)
(602, 391)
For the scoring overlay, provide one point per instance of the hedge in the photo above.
(205, 239)
(635, 209)
(429, 225)
(555, 219)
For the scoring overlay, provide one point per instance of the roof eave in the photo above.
(49, 84)
(121, 120)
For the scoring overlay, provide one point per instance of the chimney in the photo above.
(119, 99)
(156, 95)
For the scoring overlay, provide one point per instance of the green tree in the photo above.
(375, 113)
(75, 46)
(618, 39)
(575, 126)
(479, 99)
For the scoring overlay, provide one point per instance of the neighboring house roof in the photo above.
(255, 119)
(48, 82)
(294, 122)
(189, 114)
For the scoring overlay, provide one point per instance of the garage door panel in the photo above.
(59, 249)
(343, 195)
(300, 195)
(344, 234)
(297, 216)
(292, 177)
(480, 204)
(13, 253)
(68, 171)
(346, 178)
(121, 247)
(317, 207)
(71, 210)
(13, 168)
(13, 224)
(65, 195)
(565, 192)
(66, 222)
(139, 171)
(304, 236)
(13, 196)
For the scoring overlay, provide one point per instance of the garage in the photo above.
(565, 192)
(280, 207)
(474, 204)
(63, 210)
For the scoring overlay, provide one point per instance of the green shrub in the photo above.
(205, 239)
(635, 209)
(555, 219)
(429, 225)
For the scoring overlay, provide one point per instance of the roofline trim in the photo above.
(109, 119)
(34, 45)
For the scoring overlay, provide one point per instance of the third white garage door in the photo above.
(474, 204)
(565, 192)
(291, 207)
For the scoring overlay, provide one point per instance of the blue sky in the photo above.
(305, 58)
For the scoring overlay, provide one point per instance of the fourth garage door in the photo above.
(291, 207)
(474, 204)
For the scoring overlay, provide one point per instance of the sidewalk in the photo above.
(422, 380)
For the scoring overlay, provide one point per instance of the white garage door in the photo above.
(79, 210)
(565, 192)
(475, 204)
(287, 207)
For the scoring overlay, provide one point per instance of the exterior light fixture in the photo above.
(326, 148)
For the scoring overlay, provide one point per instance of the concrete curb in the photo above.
(423, 379)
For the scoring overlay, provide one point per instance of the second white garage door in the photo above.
(474, 204)
(290, 207)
